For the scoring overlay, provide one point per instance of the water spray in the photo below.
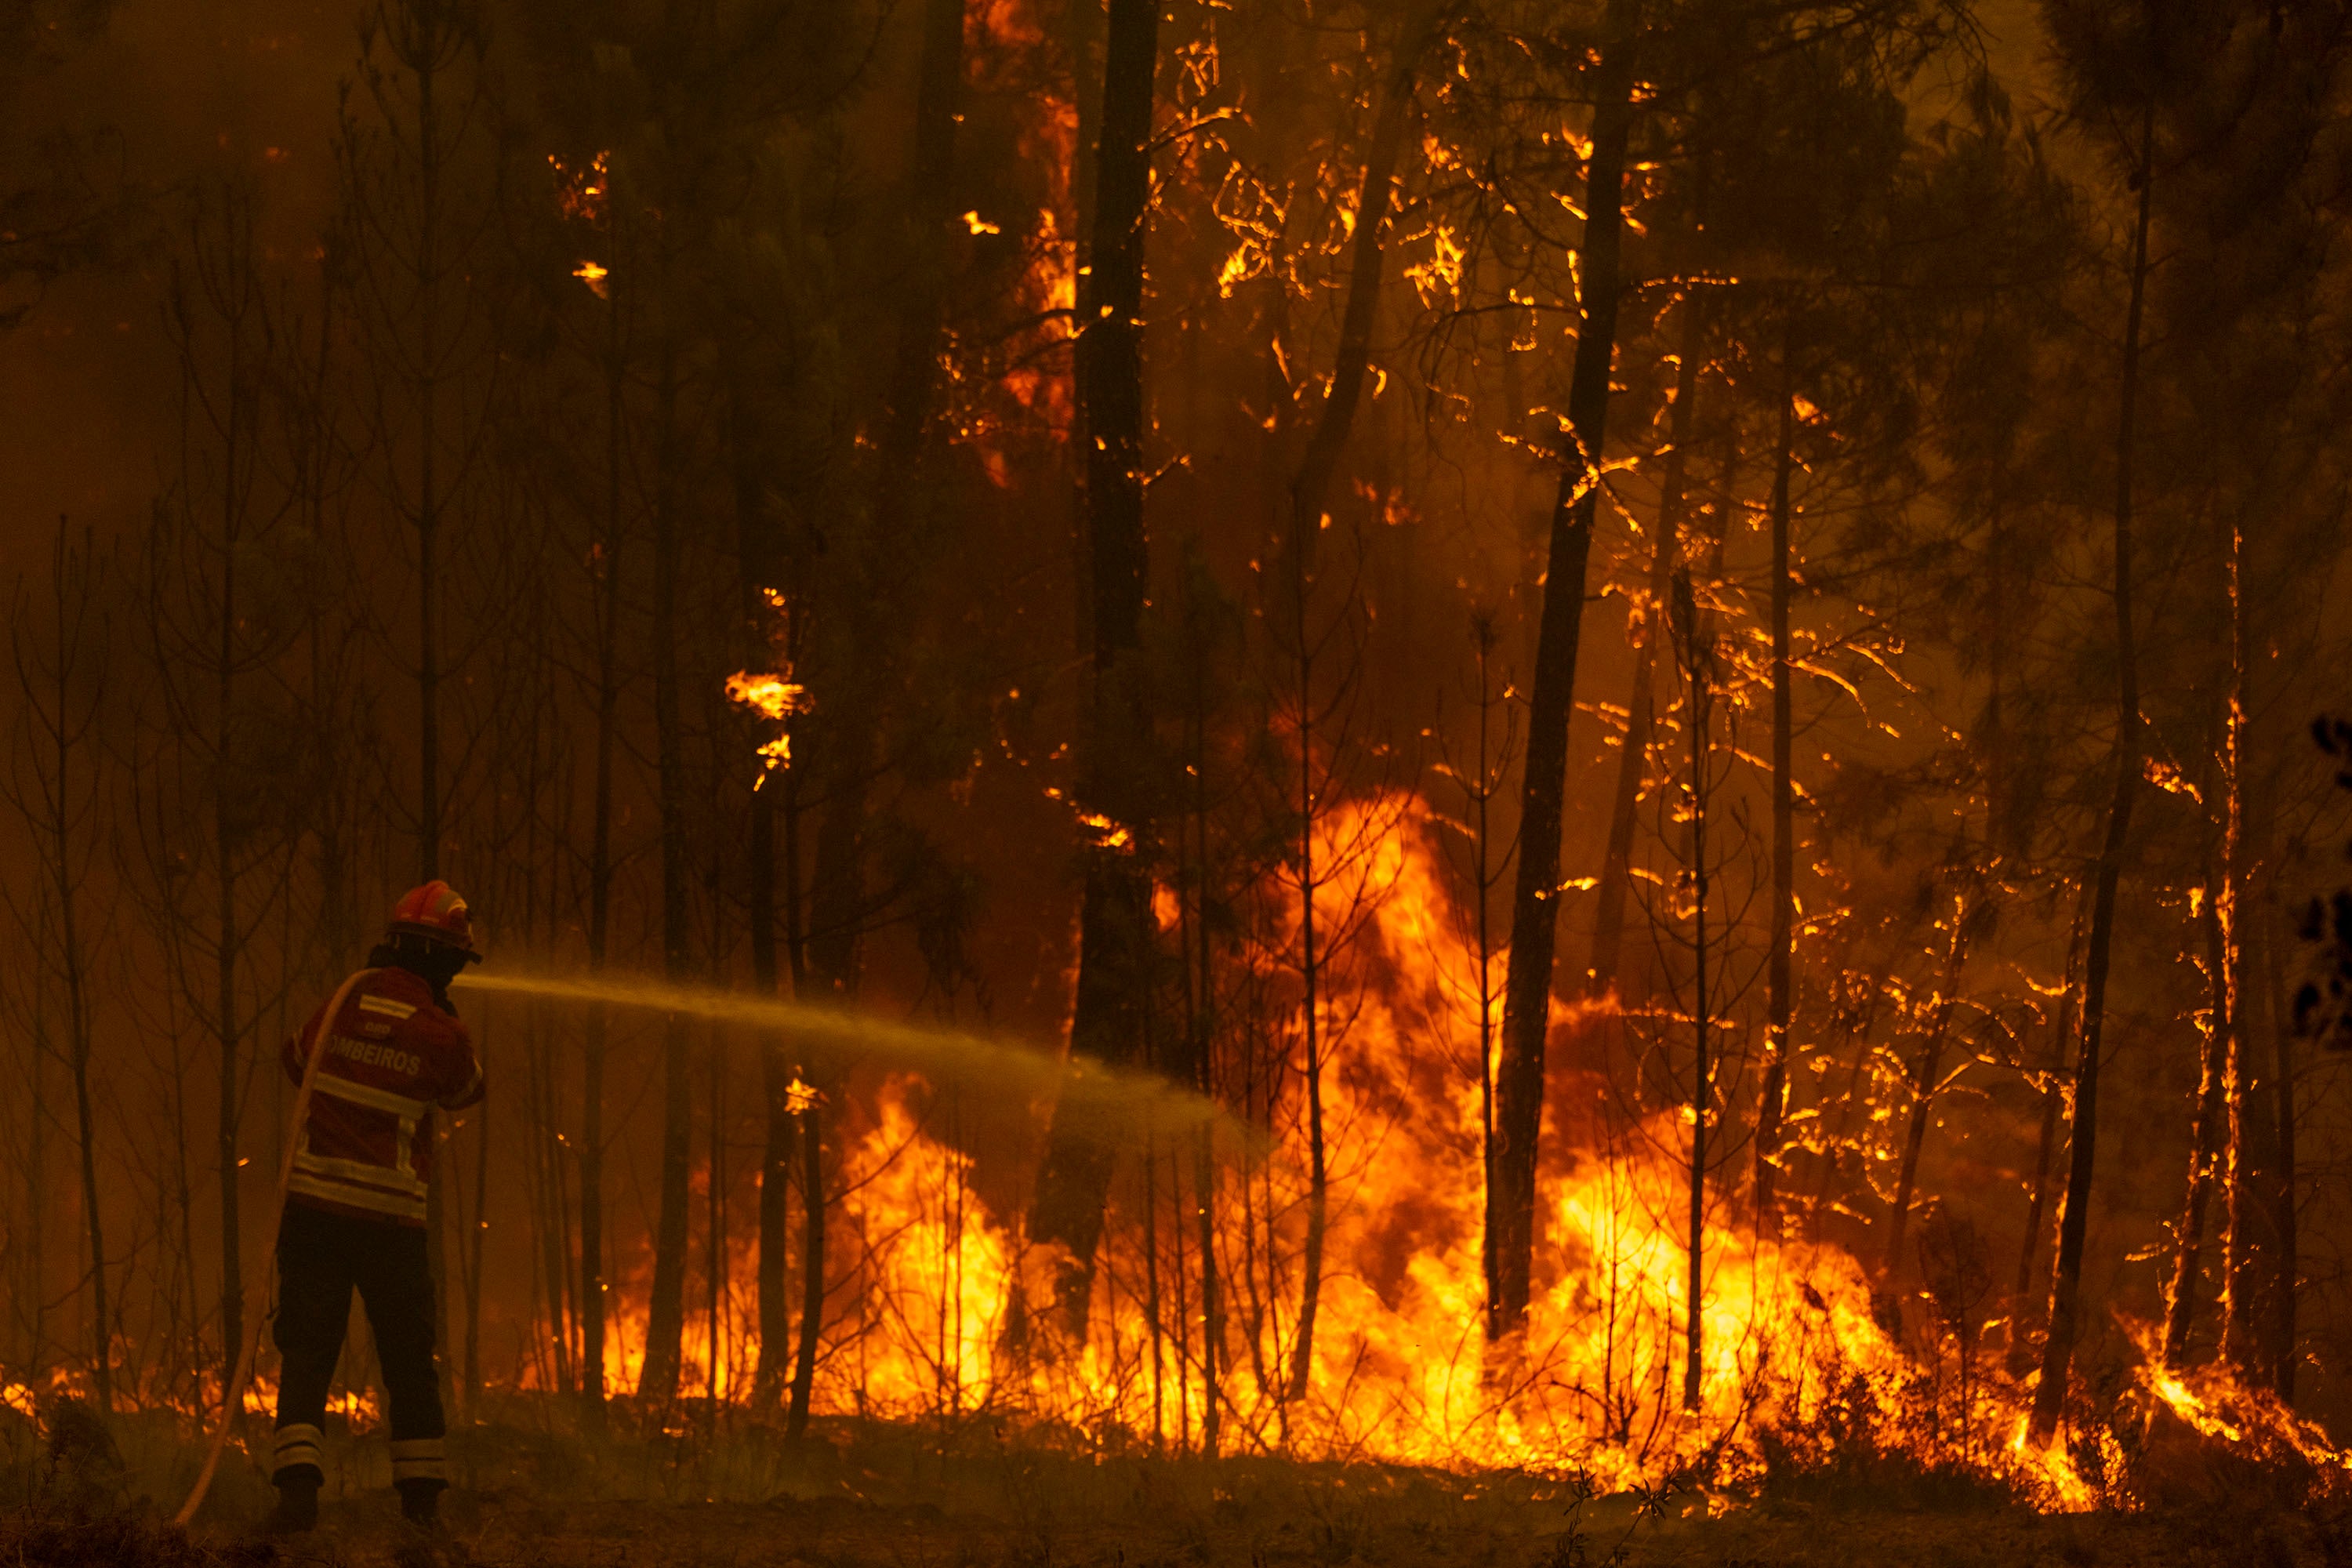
(940, 1055)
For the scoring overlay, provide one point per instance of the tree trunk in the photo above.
(1309, 496)
(86, 1133)
(2023, 1301)
(1771, 1104)
(1534, 908)
(759, 561)
(555, 1207)
(666, 1311)
(36, 1297)
(811, 1270)
(474, 1241)
(71, 572)
(1484, 874)
(1641, 710)
(225, 917)
(837, 913)
(769, 1378)
(1310, 487)
(2204, 1144)
(1925, 1069)
(1200, 1014)
(2066, 1292)
(2251, 1244)
(1318, 1191)
(1698, 662)
(429, 498)
(714, 1229)
(2037, 1202)
(424, 59)
(2250, 1337)
(1115, 913)
(606, 589)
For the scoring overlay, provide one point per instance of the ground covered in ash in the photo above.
(902, 1500)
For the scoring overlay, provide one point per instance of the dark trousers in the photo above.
(321, 1258)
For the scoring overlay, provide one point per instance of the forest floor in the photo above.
(887, 1498)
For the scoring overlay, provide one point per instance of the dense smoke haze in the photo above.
(1589, 738)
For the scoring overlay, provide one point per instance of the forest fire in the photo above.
(1793, 1330)
(1531, 784)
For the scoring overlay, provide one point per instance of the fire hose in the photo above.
(233, 1396)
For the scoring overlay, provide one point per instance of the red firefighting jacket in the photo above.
(366, 1142)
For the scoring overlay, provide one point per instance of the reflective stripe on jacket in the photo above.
(393, 1055)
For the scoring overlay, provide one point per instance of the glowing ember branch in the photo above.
(1103, 832)
(2168, 778)
(769, 696)
(1109, 835)
(776, 698)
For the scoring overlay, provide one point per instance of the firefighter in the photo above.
(354, 1214)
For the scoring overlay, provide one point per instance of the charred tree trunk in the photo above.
(1200, 999)
(424, 59)
(2066, 1285)
(1310, 487)
(1115, 913)
(2251, 1242)
(1318, 1191)
(1699, 665)
(1778, 984)
(422, 45)
(716, 1267)
(86, 1135)
(2250, 1337)
(1484, 874)
(1535, 908)
(836, 914)
(775, 1319)
(475, 1236)
(35, 1301)
(605, 588)
(759, 561)
(2204, 1147)
(1926, 1067)
(235, 420)
(62, 688)
(666, 1311)
(1641, 721)
(2037, 1202)
(1310, 492)
(2027, 1304)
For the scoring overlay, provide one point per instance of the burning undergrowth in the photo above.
(1816, 1376)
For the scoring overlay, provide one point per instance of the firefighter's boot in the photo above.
(297, 1502)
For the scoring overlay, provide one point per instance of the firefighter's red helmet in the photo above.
(436, 913)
